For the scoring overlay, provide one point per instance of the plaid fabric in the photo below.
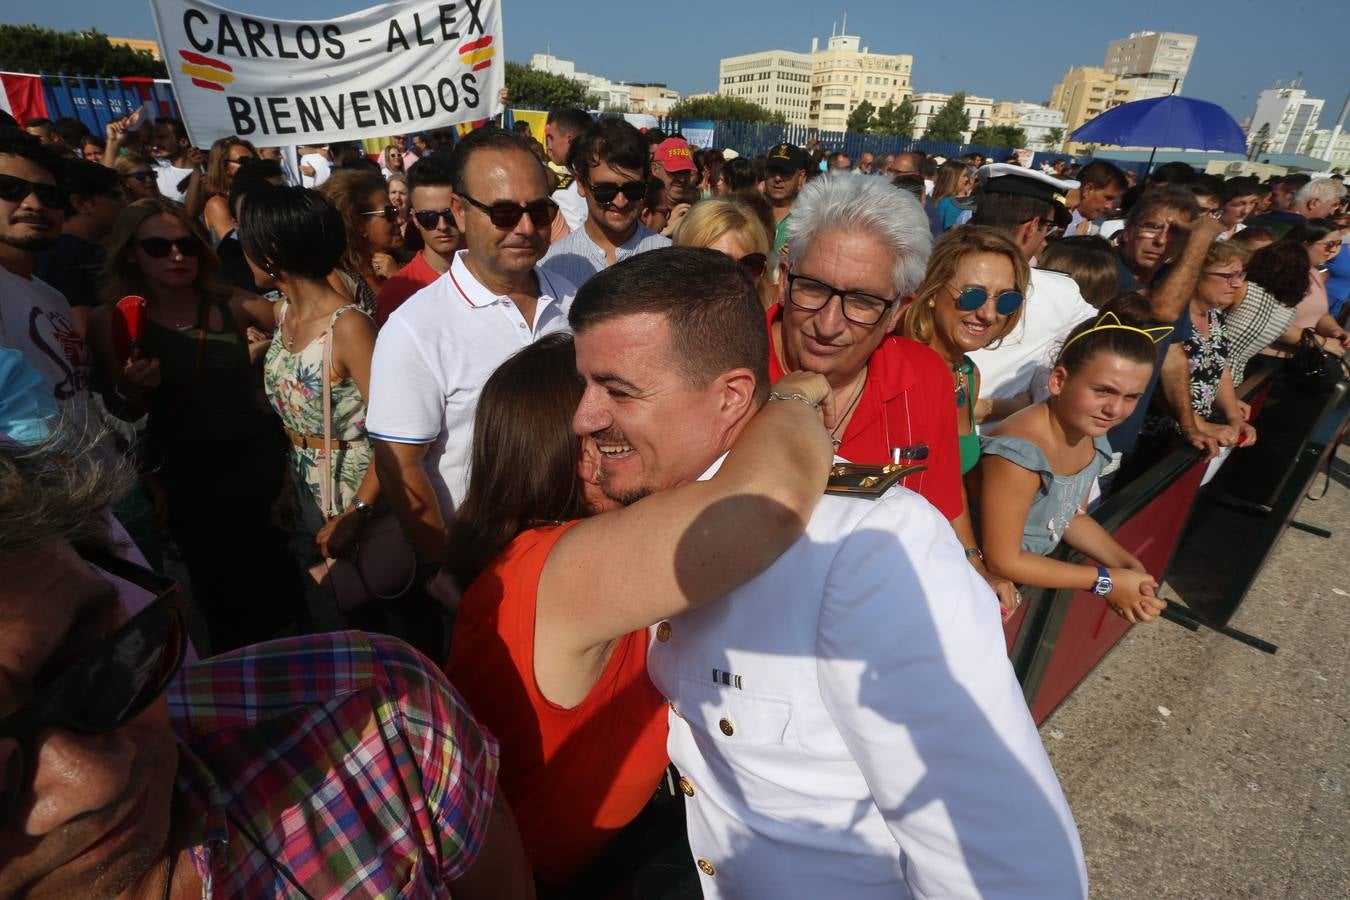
(348, 757)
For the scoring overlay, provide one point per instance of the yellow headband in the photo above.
(1110, 320)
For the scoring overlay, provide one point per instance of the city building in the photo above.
(979, 112)
(612, 96)
(653, 99)
(820, 88)
(141, 45)
(1005, 113)
(778, 80)
(1084, 93)
(1321, 146)
(1284, 121)
(1151, 62)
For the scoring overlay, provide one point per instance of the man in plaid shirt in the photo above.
(338, 765)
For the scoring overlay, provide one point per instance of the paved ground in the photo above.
(1200, 768)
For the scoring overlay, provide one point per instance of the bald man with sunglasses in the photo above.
(436, 351)
(122, 776)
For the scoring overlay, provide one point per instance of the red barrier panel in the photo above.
(1090, 629)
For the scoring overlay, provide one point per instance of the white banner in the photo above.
(407, 66)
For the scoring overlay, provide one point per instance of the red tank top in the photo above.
(574, 777)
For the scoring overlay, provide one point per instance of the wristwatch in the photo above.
(363, 510)
(1103, 585)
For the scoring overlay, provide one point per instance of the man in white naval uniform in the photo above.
(847, 724)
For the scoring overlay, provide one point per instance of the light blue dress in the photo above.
(1060, 496)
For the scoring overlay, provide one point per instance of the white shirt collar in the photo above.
(463, 283)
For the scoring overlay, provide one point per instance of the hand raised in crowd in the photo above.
(810, 385)
(196, 158)
(383, 264)
(1207, 228)
(678, 212)
(1134, 596)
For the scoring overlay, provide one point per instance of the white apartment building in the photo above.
(979, 112)
(778, 80)
(820, 88)
(1151, 61)
(1320, 143)
(1284, 121)
(613, 97)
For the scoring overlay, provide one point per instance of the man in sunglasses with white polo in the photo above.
(338, 765)
(430, 187)
(609, 162)
(34, 317)
(437, 349)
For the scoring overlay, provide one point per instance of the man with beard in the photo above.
(784, 175)
(847, 723)
(436, 351)
(609, 164)
(34, 317)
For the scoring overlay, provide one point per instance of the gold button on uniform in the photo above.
(706, 867)
(663, 632)
(726, 727)
(686, 787)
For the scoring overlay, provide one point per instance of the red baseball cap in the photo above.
(674, 155)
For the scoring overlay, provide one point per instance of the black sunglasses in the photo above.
(754, 264)
(110, 685)
(141, 176)
(606, 193)
(158, 247)
(972, 298)
(431, 218)
(505, 214)
(14, 190)
(389, 213)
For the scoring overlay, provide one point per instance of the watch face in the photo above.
(1102, 587)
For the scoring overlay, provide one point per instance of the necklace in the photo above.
(857, 395)
(959, 374)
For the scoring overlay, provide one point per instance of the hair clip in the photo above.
(1110, 320)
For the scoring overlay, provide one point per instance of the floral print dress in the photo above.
(1207, 356)
(294, 385)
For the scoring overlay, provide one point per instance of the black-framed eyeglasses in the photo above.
(972, 298)
(606, 193)
(430, 219)
(14, 190)
(142, 177)
(236, 160)
(754, 264)
(388, 213)
(158, 247)
(111, 684)
(1233, 278)
(858, 307)
(505, 214)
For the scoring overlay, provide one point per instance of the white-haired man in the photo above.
(1316, 199)
(857, 250)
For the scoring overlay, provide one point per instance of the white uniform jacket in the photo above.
(848, 724)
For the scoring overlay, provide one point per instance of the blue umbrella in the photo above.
(1165, 122)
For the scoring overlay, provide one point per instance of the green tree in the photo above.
(999, 136)
(860, 121)
(895, 120)
(950, 122)
(534, 89)
(1055, 137)
(720, 108)
(28, 48)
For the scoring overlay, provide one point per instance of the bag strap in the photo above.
(326, 486)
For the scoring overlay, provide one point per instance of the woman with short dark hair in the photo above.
(293, 238)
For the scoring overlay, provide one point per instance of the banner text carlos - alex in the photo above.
(364, 108)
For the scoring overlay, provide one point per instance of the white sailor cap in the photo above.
(1003, 178)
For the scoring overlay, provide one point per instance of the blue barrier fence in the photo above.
(98, 101)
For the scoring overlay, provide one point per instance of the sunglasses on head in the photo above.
(14, 190)
(972, 298)
(158, 247)
(505, 214)
(606, 193)
(111, 684)
(431, 218)
(389, 213)
(754, 264)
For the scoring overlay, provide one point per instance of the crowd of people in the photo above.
(533, 495)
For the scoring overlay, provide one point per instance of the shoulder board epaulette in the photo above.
(564, 182)
(869, 482)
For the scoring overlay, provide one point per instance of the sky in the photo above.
(1002, 50)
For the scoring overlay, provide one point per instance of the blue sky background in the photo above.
(1003, 50)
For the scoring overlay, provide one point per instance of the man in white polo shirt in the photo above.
(609, 162)
(437, 349)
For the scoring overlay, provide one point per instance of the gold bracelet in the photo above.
(775, 395)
